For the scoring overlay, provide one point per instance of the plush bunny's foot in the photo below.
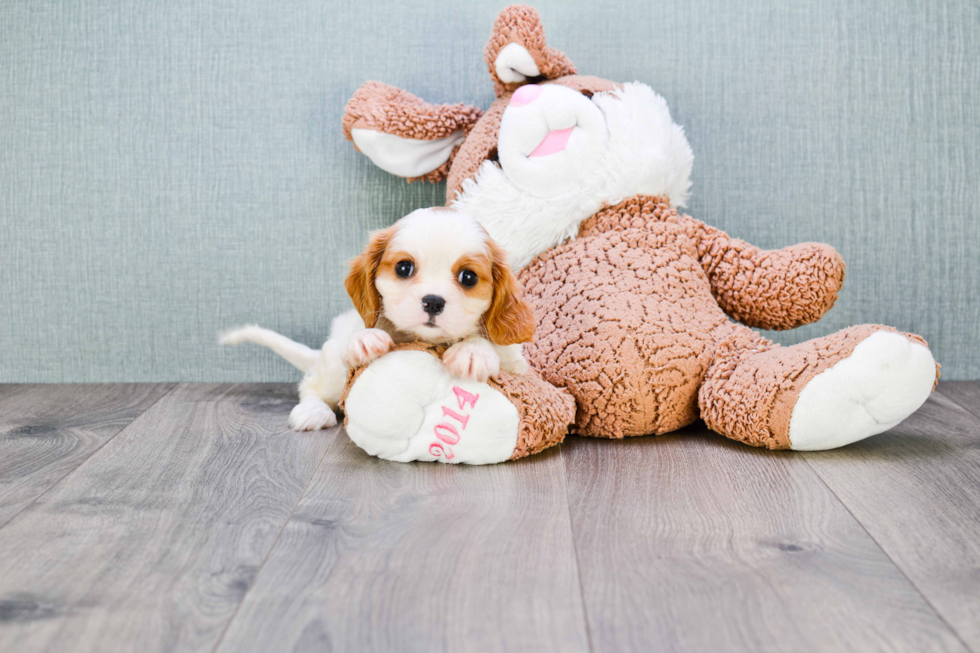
(820, 394)
(405, 406)
(884, 380)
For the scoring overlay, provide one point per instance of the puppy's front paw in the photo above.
(311, 416)
(365, 346)
(518, 366)
(471, 361)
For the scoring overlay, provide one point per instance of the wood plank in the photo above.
(46, 431)
(152, 543)
(965, 393)
(424, 557)
(916, 489)
(691, 542)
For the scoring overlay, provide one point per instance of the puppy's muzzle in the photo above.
(433, 305)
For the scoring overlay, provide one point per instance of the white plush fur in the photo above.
(396, 411)
(646, 153)
(884, 380)
(525, 125)
(435, 240)
(405, 157)
(515, 64)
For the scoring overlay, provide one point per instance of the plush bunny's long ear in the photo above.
(517, 52)
(404, 135)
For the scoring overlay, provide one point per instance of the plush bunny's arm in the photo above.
(769, 289)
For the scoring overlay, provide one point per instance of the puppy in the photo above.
(434, 276)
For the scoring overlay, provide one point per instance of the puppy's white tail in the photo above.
(300, 356)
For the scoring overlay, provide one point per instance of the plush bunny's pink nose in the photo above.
(525, 95)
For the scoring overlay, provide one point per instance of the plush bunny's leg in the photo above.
(820, 394)
(406, 406)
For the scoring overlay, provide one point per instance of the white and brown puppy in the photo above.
(434, 276)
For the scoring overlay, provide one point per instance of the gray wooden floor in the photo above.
(187, 517)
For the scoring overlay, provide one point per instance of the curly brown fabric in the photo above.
(391, 110)
(625, 322)
(769, 289)
(630, 322)
(752, 386)
(480, 145)
(637, 212)
(544, 411)
(521, 24)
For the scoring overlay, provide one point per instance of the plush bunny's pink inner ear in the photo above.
(404, 135)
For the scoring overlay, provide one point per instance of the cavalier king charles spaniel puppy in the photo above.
(434, 276)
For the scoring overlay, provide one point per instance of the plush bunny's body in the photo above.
(643, 313)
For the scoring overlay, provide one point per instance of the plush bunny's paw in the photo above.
(407, 406)
(311, 415)
(365, 346)
(884, 380)
(475, 361)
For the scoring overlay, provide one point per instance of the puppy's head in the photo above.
(437, 275)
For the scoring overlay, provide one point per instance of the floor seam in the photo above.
(578, 565)
(91, 455)
(881, 548)
(275, 543)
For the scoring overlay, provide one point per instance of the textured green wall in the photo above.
(170, 169)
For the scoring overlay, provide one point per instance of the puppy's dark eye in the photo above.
(404, 269)
(467, 278)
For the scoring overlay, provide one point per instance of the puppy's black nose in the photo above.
(433, 304)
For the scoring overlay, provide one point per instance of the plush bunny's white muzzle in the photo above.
(551, 138)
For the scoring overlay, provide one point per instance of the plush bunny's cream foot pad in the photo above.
(884, 380)
(405, 406)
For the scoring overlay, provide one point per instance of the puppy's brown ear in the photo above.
(360, 280)
(509, 320)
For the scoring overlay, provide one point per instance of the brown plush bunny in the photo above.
(643, 312)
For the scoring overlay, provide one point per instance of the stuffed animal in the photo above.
(643, 313)
(406, 406)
